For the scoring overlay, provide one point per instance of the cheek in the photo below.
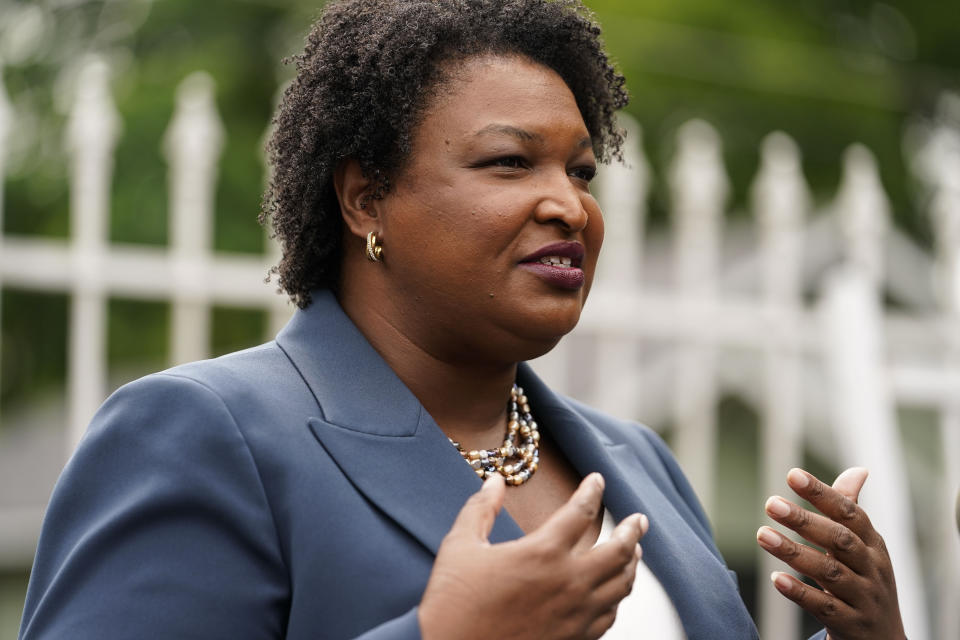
(449, 247)
(593, 233)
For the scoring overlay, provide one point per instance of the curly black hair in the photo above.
(363, 80)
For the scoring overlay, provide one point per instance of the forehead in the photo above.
(506, 90)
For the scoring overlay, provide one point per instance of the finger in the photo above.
(476, 518)
(608, 559)
(568, 523)
(824, 607)
(617, 586)
(832, 504)
(835, 538)
(600, 625)
(827, 570)
(850, 482)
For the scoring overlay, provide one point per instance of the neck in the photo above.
(468, 400)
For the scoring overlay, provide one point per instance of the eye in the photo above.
(585, 173)
(512, 162)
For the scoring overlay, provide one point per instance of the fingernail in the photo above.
(798, 478)
(780, 581)
(489, 483)
(598, 479)
(768, 538)
(777, 507)
(644, 523)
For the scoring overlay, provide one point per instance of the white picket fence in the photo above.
(673, 324)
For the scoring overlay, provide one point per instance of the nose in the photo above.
(562, 203)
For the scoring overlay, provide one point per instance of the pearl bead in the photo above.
(515, 461)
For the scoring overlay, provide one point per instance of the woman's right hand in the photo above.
(537, 586)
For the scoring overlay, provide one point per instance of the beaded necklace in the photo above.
(518, 457)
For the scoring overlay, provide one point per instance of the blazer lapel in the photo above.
(376, 430)
(690, 571)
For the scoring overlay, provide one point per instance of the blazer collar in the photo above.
(353, 386)
(376, 430)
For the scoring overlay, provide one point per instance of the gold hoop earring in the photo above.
(374, 249)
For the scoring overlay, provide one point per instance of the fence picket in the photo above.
(6, 126)
(623, 194)
(940, 156)
(699, 189)
(92, 133)
(192, 146)
(864, 420)
(781, 203)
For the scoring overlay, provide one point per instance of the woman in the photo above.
(432, 163)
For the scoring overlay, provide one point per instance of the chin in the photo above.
(540, 337)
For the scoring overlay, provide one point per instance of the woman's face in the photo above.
(490, 233)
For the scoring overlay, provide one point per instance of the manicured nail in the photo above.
(644, 523)
(780, 581)
(798, 478)
(777, 507)
(598, 479)
(768, 538)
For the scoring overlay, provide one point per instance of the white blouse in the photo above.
(647, 612)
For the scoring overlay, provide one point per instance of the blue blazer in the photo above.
(299, 490)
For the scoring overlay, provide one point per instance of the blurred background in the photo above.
(780, 284)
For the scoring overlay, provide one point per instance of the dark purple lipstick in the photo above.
(558, 264)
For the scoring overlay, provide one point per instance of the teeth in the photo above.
(557, 261)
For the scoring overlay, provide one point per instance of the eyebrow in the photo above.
(506, 129)
(523, 134)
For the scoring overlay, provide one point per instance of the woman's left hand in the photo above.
(859, 599)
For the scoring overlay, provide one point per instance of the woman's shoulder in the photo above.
(237, 373)
(247, 396)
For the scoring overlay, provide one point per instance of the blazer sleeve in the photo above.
(159, 527)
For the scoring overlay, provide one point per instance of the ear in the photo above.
(354, 193)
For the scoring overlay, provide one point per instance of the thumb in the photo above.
(851, 481)
(477, 516)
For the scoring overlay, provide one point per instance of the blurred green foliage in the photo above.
(34, 341)
(829, 73)
(233, 327)
(137, 334)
